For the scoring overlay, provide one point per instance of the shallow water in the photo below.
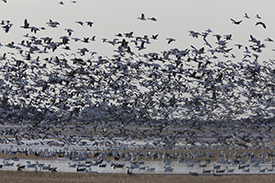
(62, 165)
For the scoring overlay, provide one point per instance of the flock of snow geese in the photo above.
(190, 95)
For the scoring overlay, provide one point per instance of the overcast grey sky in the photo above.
(174, 19)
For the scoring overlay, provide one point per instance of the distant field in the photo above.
(41, 177)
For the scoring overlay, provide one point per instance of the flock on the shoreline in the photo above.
(140, 162)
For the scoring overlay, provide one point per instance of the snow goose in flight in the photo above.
(252, 39)
(258, 16)
(261, 23)
(76, 39)
(153, 19)
(194, 34)
(83, 51)
(86, 40)
(228, 37)
(89, 23)
(208, 30)
(155, 36)
(112, 42)
(135, 42)
(246, 16)
(34, 29)
(235, 22)
(52, 23)
(93, 38)
(65, 39)
(7, 28)
(26, 24)
(70, 31)
(142, 17)
(119, 35)
(269, 39)
(246, 50)
(141, 46)
(207, 43)
(79, 22)
(170, 40)
(239, 45)
(204, 34)
(218, 37)
(129, 35)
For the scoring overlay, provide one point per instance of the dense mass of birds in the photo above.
(200, 87)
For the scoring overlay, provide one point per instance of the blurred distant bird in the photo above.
(34, 29)
(155, 36)
(119, 35)
(79, 22)
(252, 39)
(257, 16)
(208, 30)
(93, 38)
(142, 17)
(153, 19)
(7, 27)
(5, 1)
(65, 39)
(70, 31)
(269, 39)
(86, 39)
(52, 23)
(61, 3)
(170, 40)
(246, 16)
(194, 34)
(89, 23)
(141, 46)
(239, 46)
(261, 23)
(26, 24)
(235, 22)
(228, 37)
(28, 56)
(129, 34)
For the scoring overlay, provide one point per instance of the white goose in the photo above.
(150, 169)
(167, 169)
(229, 170)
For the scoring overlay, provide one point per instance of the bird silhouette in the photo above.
(236, 22)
